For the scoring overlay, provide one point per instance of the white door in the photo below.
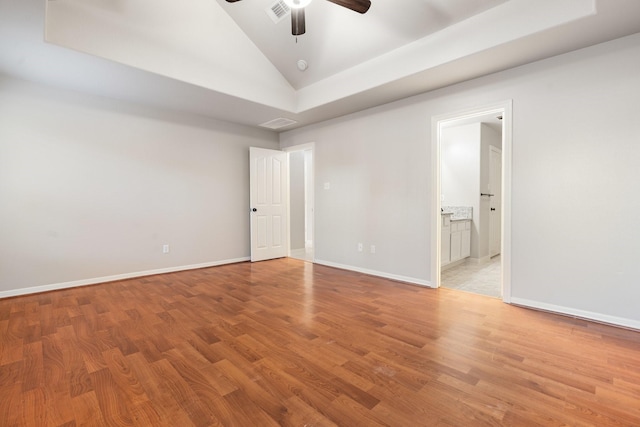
(495, 182)
(268, 188)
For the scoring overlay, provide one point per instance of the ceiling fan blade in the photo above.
(360, 6)
(298, 26)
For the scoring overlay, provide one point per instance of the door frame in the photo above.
(505, 108)
(302, 147)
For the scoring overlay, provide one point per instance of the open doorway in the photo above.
(471, 152)
(301, 202)
(470, 189)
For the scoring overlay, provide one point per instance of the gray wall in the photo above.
(575, 158)
(92, 188)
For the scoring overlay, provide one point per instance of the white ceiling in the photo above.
(228, 62)
(338, 38)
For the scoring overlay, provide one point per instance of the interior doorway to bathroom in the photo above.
(301, 202)
(470, 200)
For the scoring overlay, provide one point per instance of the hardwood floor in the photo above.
(286, 342)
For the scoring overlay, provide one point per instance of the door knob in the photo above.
(493, 209)
(254, 210)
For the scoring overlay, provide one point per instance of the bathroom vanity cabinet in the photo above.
(456, 239)
(445, 234)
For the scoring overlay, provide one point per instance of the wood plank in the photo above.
(33, 372)
(34, 411)
(57, 397)
(129, 386)
(11, 399)
(301, 414)
(111, 400)
(86, 410)
(188, 401)
(164, 402)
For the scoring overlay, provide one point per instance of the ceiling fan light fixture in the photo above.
(297, 4)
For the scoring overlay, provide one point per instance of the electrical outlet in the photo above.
(360, 247)
(373, 249)
(165, 249)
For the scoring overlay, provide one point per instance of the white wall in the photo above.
(377, 175)
(92, 188)
(576, 151)
(460, 163)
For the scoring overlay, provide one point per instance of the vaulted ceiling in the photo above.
(338, 39)
(231, 61)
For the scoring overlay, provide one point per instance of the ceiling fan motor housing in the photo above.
(298, 26)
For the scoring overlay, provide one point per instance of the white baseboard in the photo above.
(482, 260)
(588, 315)
(397, 277)
(96, 280)
(453, 264)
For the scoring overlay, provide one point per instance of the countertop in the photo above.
(458, 213)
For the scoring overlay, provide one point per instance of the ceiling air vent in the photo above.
(278, 123)
(277, 11)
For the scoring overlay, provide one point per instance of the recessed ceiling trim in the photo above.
(508, 24)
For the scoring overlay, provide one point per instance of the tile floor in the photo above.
(477, 278)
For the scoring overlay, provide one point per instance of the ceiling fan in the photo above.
(297, 11)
